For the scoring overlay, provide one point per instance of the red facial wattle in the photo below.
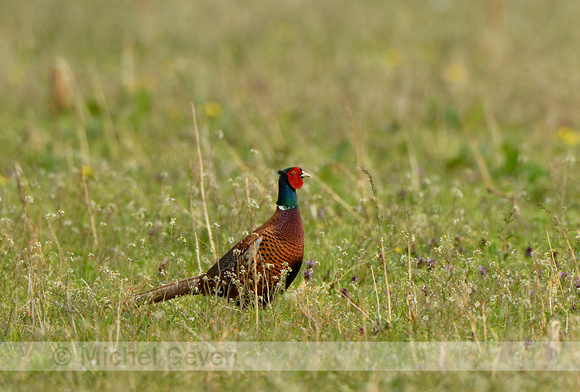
(295, 178)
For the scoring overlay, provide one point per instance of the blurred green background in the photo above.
(289, 79)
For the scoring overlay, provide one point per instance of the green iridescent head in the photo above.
(290, 180)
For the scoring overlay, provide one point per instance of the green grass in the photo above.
(465, 115)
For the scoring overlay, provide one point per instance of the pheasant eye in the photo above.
(293, 172)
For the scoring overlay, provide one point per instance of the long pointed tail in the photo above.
(169, 291)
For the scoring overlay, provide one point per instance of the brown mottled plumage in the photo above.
(255, 266)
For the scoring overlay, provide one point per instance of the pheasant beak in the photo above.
(304, 174)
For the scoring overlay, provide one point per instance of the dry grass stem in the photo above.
(202, 183)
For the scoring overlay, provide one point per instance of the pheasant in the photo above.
(255, 267)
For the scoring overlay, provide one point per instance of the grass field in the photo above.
(442, 135)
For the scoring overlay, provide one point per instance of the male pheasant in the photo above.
(255, 266)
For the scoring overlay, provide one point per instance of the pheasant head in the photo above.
(290, 180)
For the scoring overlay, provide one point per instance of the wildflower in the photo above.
(354, 279)
(361, 330)
(212, 109)
(529, 252)
(482, 270)
(569, 136)
(392, 58)
(310, 263)
(455, 72)
(398, 250)
(456, 192)
(307, 274)
(345, 293)
(87, 171)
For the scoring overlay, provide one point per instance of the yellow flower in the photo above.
(87, 171)
(569, 136)
(454, 72)
(3, 180)
(392, 58)
(212, 109)
(398, 250)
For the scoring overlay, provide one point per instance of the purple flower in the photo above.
(482, 270)
(310, 263)
(354, 279)
(307, 274)
(345, 293)
(361, 330)
(529, 252)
